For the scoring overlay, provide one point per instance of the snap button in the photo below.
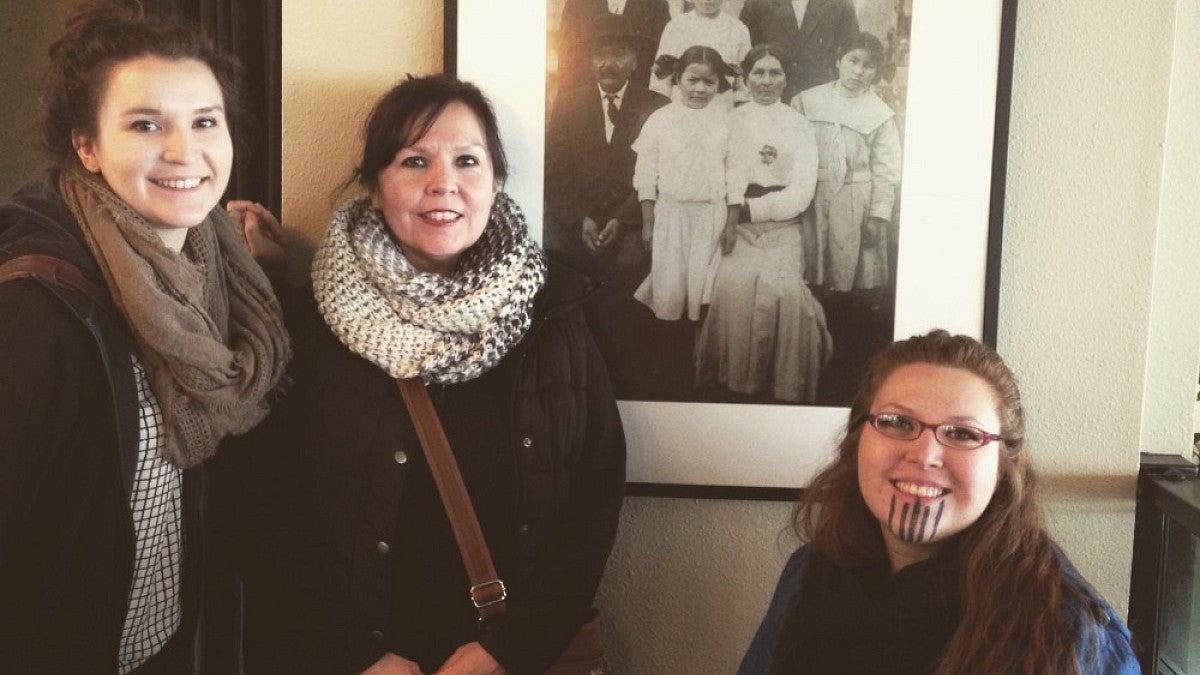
(527, 441)
(382, 547)
(401, 457)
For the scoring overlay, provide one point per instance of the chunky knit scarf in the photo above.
(412, 324)
(207, 324)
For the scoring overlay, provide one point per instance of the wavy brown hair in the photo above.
(100, 34)
(1012, 585)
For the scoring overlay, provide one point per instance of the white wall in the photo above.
(1099, 313)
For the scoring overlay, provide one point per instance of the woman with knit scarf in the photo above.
(926, 552)
(432, 274)
(136, 333)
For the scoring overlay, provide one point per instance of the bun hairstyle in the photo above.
(708, 56)
(98, 35)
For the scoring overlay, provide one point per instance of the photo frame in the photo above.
(955, 154)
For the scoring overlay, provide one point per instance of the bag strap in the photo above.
(487, 590)
(55, 271)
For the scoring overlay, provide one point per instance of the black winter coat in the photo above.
(68, 451)
(319, 589)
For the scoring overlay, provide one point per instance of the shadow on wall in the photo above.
(26, 31)
(322, 141)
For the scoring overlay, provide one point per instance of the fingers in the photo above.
(255, 219)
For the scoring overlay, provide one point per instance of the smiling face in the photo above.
(436, 195)
(162, 142)
(697, 85)
(766, 80)
(921, 492)
(856, 70)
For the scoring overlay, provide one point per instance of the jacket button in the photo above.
(527, 442)
(401, 457)
(382, 547)
(523, 528)
(377, 634)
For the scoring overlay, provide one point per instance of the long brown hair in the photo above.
(1012, 583)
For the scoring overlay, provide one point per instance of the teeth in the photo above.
(441, 215)
(180, 184)
(919, 490)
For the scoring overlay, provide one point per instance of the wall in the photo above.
(26, 30)
(338, 58)
(1099, 312)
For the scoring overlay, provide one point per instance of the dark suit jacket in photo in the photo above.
(813, 44)
(585, 174)
(648, 17)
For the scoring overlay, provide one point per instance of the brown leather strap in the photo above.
(56, 271)
(487, 591)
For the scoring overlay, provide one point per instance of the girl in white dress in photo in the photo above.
(859, 149)
(704, 25)
(680, 181)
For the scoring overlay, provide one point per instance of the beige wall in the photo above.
(338, 58)
(1099, 306)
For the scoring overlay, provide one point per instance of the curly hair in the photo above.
(1012, 584)
(99, 35)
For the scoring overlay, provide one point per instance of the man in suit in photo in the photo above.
(593, 219)
(591, 205)
(810, 30)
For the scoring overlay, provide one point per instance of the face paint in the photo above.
(914, 526)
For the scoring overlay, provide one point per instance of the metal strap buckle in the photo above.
(475, 589)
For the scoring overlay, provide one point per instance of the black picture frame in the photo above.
(698, 450)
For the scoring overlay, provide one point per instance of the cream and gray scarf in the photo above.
(413, 324)
(207, 324)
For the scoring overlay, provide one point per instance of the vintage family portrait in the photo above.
(730, 171)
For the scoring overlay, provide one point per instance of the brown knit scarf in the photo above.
(207, 324)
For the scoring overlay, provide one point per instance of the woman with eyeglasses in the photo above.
(926, 551)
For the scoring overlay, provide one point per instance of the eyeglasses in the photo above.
(905, 428)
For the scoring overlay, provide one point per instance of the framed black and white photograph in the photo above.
(768, 191)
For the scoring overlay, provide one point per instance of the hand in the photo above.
(872, 228)
(647, 223)
(262, 234)
(608, 235)
(596, 239)
(391, 664)
(728, 239)
(471, 659)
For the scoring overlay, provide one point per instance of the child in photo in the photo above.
(858, 147)
(680, 181)
(704, 25)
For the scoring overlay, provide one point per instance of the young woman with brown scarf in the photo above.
(136, 333)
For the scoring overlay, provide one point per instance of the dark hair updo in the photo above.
(99, 35)
(404, 115)
(761, 51)
(708, 56)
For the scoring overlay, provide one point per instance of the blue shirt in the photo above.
(1114, 653)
